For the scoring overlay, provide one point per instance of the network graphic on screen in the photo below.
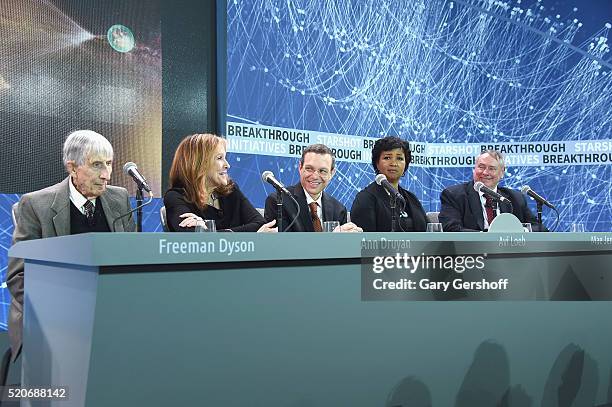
(432, 72)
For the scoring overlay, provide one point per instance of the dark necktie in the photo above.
(89, 208)
(490, 208)
(316, 222)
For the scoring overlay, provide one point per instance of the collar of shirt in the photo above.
(77, 198)
(319, 203)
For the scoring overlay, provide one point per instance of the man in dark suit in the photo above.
(317, 167)
(465, 210)
(82, 202)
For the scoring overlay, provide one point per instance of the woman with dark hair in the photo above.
(372, 207)
(200, 188)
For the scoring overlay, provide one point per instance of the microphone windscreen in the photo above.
(478, 186)
(266, 174)
(380, 178)
(525, 189)
(128, 166)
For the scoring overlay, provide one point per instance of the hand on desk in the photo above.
(268, 227)
(350, 227)
(190, 221)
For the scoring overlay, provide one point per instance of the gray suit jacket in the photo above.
(46, 213)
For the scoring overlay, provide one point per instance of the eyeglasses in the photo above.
(323, 172)
(483, 168)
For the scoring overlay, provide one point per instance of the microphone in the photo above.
(480, 187)
(132, 170)
(268, 177)
(526, 190)
(381, 180)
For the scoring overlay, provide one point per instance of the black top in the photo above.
(236, 213)
(332, 210)
(372, 211)
(461, 209)
(80, 224)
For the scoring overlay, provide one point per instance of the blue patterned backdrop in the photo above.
(437, 71)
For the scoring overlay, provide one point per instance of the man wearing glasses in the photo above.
(317, 167)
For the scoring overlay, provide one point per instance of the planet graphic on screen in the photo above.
(121, 38)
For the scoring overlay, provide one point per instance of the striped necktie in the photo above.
(89, 209)
(489, 207)
(316, 222)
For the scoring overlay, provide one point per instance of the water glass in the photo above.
(527, 227)
(206, 225)
(331, 226)
(434, 227)
(577, 228)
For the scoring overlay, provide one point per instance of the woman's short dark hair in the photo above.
(387, 144)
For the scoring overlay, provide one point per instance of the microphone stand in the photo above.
(139, 209)
(539, 208)
(494, 202)
(393, 203)
(279, 209)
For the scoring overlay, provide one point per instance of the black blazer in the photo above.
(236, 213)
(332, 210)
(372, 211)
(462, 209)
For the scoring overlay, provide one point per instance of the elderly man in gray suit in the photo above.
(81, 203)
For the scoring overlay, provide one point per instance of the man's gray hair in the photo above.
(495, 154)
(82, 143)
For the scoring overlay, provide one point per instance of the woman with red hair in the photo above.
(200, 188)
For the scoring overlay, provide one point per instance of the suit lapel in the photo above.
(328, 210)
(504, 207)
(475, 205)
(60, 209)
(382, 195)
(110, 212)
(305, 218)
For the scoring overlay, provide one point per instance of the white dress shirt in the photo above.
(78, 199)
(319, 204)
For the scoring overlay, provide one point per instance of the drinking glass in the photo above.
(434, 227)
(577, 228)
(330, 226)
(206, 225)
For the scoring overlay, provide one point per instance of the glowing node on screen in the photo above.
(4, 84)
(121, 38)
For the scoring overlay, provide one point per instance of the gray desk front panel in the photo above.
(302, 337)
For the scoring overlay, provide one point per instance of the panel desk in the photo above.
(236, 319)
